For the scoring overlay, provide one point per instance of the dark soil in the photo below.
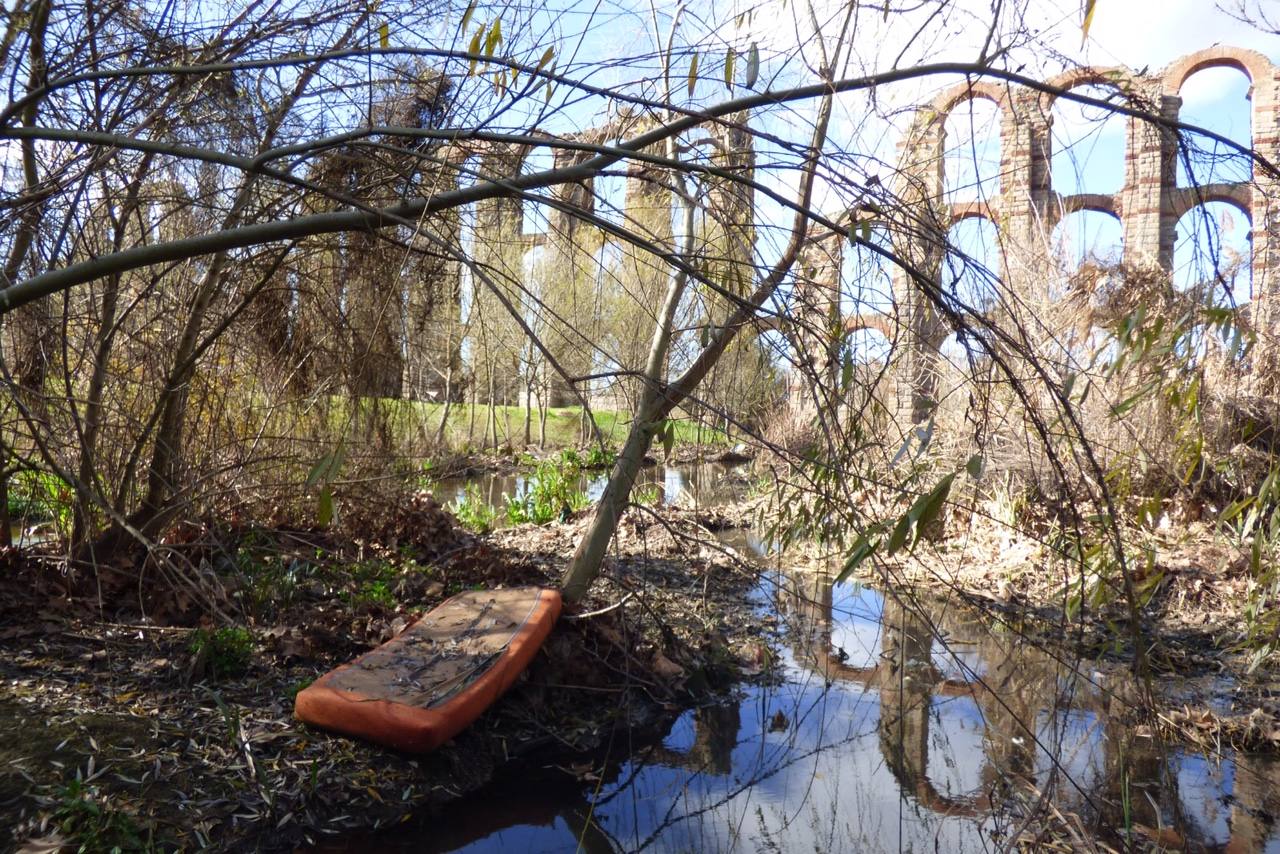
(98, 679)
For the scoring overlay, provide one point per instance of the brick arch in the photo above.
(1254, 65)
(953, 97)
(1098, 202)
(1237, 195)
(1113, 77)
(960, 211)
(941, 108)
(869, 322)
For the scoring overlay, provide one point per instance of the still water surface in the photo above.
(895, 726)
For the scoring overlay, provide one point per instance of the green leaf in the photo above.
(693, 73)
(494, 38)
(1068, 384)
(866, 231)
(466, 16)
(547, 56)
(729, 59)
(384, 35)
(899, 535)
(863, 548)
(668, 437)
(327, 467)
(846, 371)
(1073, 606)
(974, 466)
(324, 509)
(753, 65)
(1234, 508)
(928, 507)
(1130, 402)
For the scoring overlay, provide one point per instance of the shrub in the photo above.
(599, 458)
(226, 651)
(473, 511)
(41, 496)
(91, 825)
(551, 493)
(649, 494)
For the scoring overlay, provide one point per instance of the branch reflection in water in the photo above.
(896, 724)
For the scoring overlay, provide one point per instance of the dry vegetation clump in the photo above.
(1158, 383)
(791, 431)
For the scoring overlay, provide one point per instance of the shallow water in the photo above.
(896, 726)
(689, 485)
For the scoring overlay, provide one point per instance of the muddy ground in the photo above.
(119, 725)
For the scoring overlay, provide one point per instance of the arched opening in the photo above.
(970, 275)
(468, 171)
(1086, 249)
(1213, 253)
(868, 347)
(1087, 237)
(971, 152)
(1088, 144)
(536, 219)
(866, 285)
(971, 265)
(1217, 99)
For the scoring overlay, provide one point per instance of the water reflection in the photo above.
(693, 485)
(1048, 732)
(897, 725)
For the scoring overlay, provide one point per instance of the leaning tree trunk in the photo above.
(658, 399)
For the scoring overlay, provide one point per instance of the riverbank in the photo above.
(182, 739)
(1215, 674)
(177, 747)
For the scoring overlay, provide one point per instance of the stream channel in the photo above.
(896, 726)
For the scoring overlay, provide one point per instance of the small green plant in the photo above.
(473, 511)
(41, 496)
(599, 458)
(226, 651)
(427, 480)
(90, 824)
(551, 492)
(648, 495)
(269, 579)
(375, 593)
(298, 687)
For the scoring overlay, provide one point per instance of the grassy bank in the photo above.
(466, 427)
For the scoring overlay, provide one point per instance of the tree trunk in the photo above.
(658, 399)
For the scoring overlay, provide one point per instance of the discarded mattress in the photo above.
(425, 685)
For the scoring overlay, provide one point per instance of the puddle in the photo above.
(895, 727)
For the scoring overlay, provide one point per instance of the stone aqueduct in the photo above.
(1025, 208)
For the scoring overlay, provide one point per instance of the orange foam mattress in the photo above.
(428, 683)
